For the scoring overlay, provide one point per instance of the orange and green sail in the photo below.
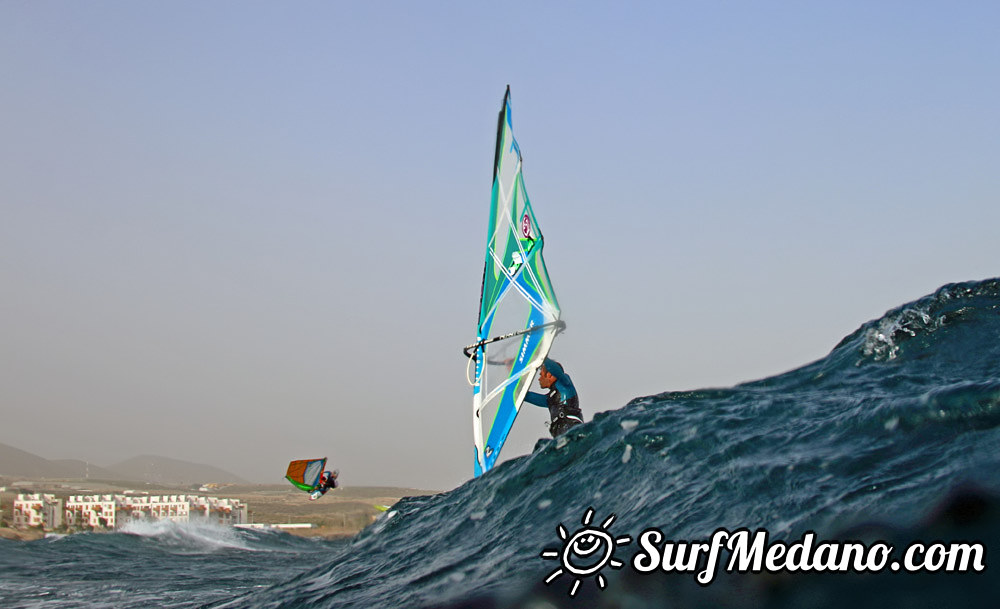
(305, 473)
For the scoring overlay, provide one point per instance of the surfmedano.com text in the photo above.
(752, 553)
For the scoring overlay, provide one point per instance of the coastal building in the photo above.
(90, 511)
(165, 507)
(221, 511)
(36, 509)
(115, 511)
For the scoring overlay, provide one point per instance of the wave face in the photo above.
(894, 426)
(895, 435)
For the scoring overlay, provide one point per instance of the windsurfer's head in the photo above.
(550, 372)
(553, 367)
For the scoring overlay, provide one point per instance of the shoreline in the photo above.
(22, 534)
(340, 514)
(326, 532)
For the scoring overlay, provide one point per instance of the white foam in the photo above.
(187, 537)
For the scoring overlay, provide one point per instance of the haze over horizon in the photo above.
(244, 233)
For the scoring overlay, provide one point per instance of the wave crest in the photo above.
(188, 537)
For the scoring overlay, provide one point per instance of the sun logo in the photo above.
(586, 552)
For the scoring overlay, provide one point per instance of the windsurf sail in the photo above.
(518, 311)
(305, 473)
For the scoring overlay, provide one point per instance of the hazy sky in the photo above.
(240, 233)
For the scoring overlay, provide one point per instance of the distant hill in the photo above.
(75, 468)
(15, 462)
(172, 472)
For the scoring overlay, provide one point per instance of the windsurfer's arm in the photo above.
(538, 399)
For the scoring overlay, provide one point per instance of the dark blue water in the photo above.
(160, 564)
(894, 436)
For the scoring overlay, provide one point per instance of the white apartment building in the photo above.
(221, 511)
(36, 509)
(90, 511)
(114, 511)
(165, 507)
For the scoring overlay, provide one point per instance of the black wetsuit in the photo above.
(563, 405)
(330, 484)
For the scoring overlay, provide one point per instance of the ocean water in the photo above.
(893, 437)
(155, 564)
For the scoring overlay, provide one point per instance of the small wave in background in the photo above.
(151, 564)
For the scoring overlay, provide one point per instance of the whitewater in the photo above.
(893, 437)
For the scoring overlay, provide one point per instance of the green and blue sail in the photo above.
(518, 312)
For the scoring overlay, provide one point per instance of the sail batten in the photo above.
(518, 311)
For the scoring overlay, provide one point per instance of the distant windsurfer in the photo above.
(327, 482)
(561, 400)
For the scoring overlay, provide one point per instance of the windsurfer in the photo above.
(562, 401)
(327, 481)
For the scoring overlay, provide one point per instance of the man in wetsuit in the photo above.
(562, 401)
(327, 481)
